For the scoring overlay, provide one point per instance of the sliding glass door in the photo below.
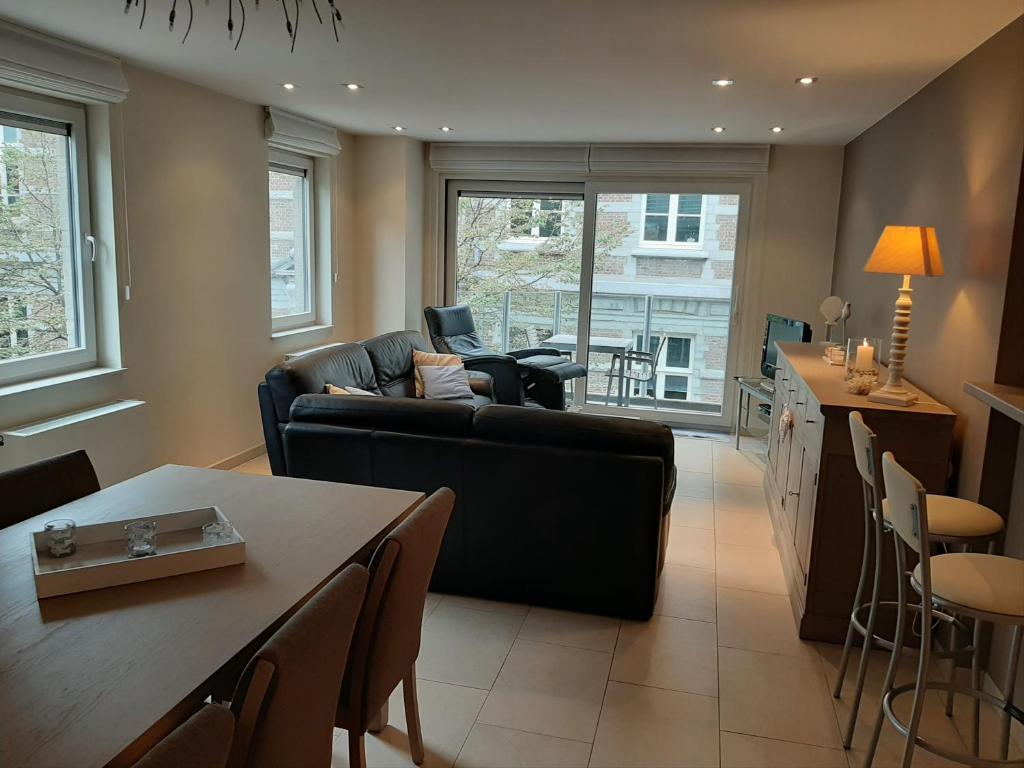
(656, 265)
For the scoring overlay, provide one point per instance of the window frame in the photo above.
(39, 114)
(673, 223)
(301, 166)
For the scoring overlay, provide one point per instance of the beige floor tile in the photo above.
(489, 746)
(548, 689)
(666, 652)
(740, 467)
(991, 733)
(691, 546)
(757, 621)
(258, 466)
(697, 485)
(778, 697)
(755, 568)
(464, 646)
(686, 592)
(745, 498)
(433, 600)
(512, 609)
(650, 727)
(742, 751)
(746, 528)
(576, 630)
(693, 455)
(693, 513)
(447, 713)
(935, 726)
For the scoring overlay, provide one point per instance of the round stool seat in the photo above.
(986, 583)
(956, 518)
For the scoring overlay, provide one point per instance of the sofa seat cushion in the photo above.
(394, 414)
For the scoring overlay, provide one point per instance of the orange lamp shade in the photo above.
(906, 251)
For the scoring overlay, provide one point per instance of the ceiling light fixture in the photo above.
(353, 86)
(446, 129)
(807, 80)
(288, 86)
(778, 129)
(291, 16)
(718, 129)
(398, 128)
(723, 82)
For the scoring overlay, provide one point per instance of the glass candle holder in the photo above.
(862, 354)
(217, 532)
(60, 537)
(141, 538)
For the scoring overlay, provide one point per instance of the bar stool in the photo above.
(984, 587)
(952, 521)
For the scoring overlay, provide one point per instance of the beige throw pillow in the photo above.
(330, 389)
(431, 359)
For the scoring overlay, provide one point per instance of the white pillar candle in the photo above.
(865, 357)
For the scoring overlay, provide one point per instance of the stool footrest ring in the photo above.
(937, 749)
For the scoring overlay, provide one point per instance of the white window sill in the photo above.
(291, 332)
(67, 419)
(54, 381)
(670, 251)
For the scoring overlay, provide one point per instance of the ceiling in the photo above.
(558, 70)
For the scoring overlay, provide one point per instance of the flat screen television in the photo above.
(778, 328)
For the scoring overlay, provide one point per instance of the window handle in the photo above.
(92, 247)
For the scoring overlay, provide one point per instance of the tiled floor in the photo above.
(717, 678)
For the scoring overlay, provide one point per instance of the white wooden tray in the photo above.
(101, 559)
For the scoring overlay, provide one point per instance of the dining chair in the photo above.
(202, 741)
(388, 636)
(951, 522)
(43, 485)
(638, 368)
(983, 587)
(285, 700)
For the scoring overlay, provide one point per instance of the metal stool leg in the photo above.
(869, 637)
(953, 637)
(897, 649)
(861, 583)
(922, 680)
(976, 685)
(1008, 686)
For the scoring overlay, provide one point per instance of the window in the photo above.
(46, 296)
(292, 260)
(675, 356)
(673, 220)
(537, 218)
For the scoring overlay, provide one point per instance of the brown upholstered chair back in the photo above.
(44, 485)
(202, 741)
(388, 636)
(286, 698)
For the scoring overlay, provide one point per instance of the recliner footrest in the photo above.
(554, 367)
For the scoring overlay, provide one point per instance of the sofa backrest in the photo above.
(391, 357)
(391, 414)
(344, 365)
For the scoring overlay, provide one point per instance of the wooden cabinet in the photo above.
(814, 491)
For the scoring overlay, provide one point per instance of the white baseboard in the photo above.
(239, 458)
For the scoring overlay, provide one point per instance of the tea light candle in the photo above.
(865, 357)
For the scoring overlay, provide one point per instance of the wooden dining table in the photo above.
(96, 678)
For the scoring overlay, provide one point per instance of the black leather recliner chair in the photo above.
(540, 372)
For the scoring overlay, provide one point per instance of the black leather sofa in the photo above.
(557, 509)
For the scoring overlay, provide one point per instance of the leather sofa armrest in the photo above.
(506, 384)
(519, 354)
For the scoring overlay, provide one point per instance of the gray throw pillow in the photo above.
(445, 382)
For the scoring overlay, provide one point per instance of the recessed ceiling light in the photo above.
(288, 86)
(778, 129)
(398, 128)
(723, 82)
(446, 129)
(353, 86)
(807, 80)
(718, 129)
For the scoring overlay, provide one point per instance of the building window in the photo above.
(535, 218)
(46, 290)
(292, 257)
(675, 358)
(673, 220)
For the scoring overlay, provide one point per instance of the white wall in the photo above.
(195, 337)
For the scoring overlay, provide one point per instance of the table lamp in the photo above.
(903, 251)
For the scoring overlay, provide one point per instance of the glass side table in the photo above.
(761, 389)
